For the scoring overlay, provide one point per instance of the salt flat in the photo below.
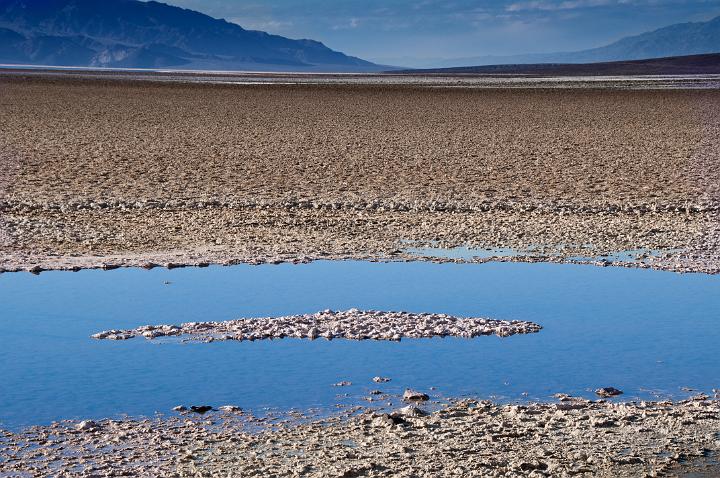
(147, 169)
(124, 169)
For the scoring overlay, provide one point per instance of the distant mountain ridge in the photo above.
(693, 38)
(677, 65)
(135, 34)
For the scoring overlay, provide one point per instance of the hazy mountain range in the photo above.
(129, 33)
(675, 40)
(134, 34)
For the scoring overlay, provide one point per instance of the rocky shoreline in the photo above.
(683, 238)
(675, 252)
(352, 324)
(573, 437)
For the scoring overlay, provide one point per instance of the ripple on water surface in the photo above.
(646, 332)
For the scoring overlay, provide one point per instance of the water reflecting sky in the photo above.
(636, 330)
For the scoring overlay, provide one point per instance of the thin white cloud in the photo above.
(548, 5)
(266, 25)
(349, 25)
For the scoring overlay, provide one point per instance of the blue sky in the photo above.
(416, 32)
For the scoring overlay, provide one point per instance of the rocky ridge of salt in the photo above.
(352, 324)
(349, 177)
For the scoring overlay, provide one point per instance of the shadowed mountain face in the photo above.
(675, 40)
(130, 33)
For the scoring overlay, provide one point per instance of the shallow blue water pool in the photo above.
(646, 332)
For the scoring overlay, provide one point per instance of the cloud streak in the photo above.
(562, 5)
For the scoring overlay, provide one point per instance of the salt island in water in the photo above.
(353, 324)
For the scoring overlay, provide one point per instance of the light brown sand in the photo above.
(121, 172)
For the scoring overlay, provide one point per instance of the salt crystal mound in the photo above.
(352, 324)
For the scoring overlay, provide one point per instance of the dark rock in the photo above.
(389, 420)
(409, 411)
(415, 396)
(606, 392)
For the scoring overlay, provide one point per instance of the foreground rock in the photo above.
(86, 425)
(352, 324)
(467, 438)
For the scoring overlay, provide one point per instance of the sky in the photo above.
(425, 32)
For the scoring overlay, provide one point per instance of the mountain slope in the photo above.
(130, 33)
(675, 40)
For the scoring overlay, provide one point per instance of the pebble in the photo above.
(415, 396)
